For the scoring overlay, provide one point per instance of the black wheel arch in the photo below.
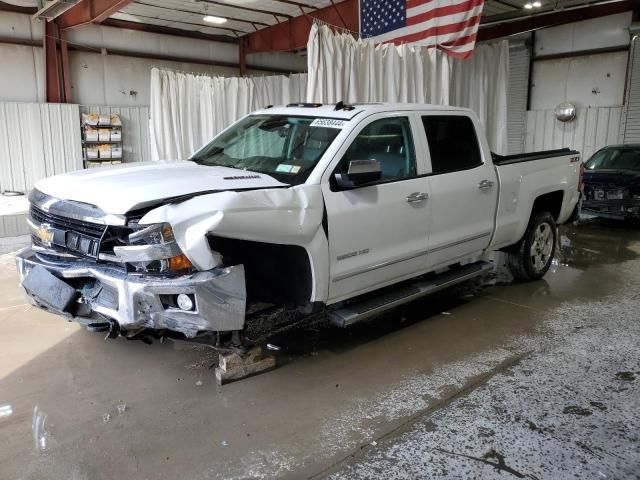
(275, 273)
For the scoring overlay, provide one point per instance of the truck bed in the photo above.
(550, 176)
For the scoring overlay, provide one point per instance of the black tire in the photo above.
(533, 255)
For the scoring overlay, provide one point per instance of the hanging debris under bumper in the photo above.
(89, 292)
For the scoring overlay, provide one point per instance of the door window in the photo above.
(453, 143)
(389, 142)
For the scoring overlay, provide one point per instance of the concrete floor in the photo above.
(527, 381)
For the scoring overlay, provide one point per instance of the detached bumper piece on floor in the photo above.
(89, 293)
(236, 366)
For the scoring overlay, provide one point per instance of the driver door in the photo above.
(377, 232)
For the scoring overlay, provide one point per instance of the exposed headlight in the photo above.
(154, 233)
(153, 248)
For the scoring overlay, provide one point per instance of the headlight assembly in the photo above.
(153, 248)
(156, 233)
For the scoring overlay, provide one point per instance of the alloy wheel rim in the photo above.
(542, 246)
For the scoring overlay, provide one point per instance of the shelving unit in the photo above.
(101, 139)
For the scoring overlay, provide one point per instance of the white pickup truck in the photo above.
(342, 210)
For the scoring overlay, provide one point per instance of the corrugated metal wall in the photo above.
(632, 121)
(13, 226)
(37, 140)
(517, 95)
(135, 130)
(592, 129)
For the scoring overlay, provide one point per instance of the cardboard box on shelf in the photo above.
(90, 134)
(104, 119)
(92, 152)
(116, 134)
(116, 151)
(115, 121)
(90, 119)
(105, 150)
(104, 134)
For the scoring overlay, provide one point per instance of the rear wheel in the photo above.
(535, 252)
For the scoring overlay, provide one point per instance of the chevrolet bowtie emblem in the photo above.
(45, 233)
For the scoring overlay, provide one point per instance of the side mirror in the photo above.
(359, 173)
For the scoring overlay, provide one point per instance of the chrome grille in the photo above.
(93, 230)
(69, 235)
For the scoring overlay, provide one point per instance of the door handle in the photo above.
(484, 184)
(416, 197)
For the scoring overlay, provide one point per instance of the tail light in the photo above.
(581, 179)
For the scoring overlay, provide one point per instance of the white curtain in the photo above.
(343, 68)
(480, 83)
(188, 110)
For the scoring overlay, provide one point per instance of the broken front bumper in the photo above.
(97, 292)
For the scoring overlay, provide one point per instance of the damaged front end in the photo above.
(122, 276)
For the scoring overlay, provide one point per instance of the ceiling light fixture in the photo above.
(537, 4)
(530, 5)
(216, 20)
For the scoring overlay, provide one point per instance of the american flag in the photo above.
(451, 25)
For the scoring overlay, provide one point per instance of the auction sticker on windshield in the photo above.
(283, 168)
(328, 123)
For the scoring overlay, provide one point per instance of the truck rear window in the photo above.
(453, 143)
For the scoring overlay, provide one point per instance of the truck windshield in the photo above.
(615, 159)
(285, 147)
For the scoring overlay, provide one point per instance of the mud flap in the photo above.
(48, 290)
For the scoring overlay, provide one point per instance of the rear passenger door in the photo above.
(464, 189)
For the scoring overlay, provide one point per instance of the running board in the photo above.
(373, 305)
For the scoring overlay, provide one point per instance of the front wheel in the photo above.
(535, 252)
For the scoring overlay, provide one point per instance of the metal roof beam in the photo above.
(90, 11)
(251, 22)
(147, 27)
(8, 7)
(247, 9)
(504, 3)
(297, 4)
(293, 34)
(551, 19)
(235, 31)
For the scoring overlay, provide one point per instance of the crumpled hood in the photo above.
(118, 189)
